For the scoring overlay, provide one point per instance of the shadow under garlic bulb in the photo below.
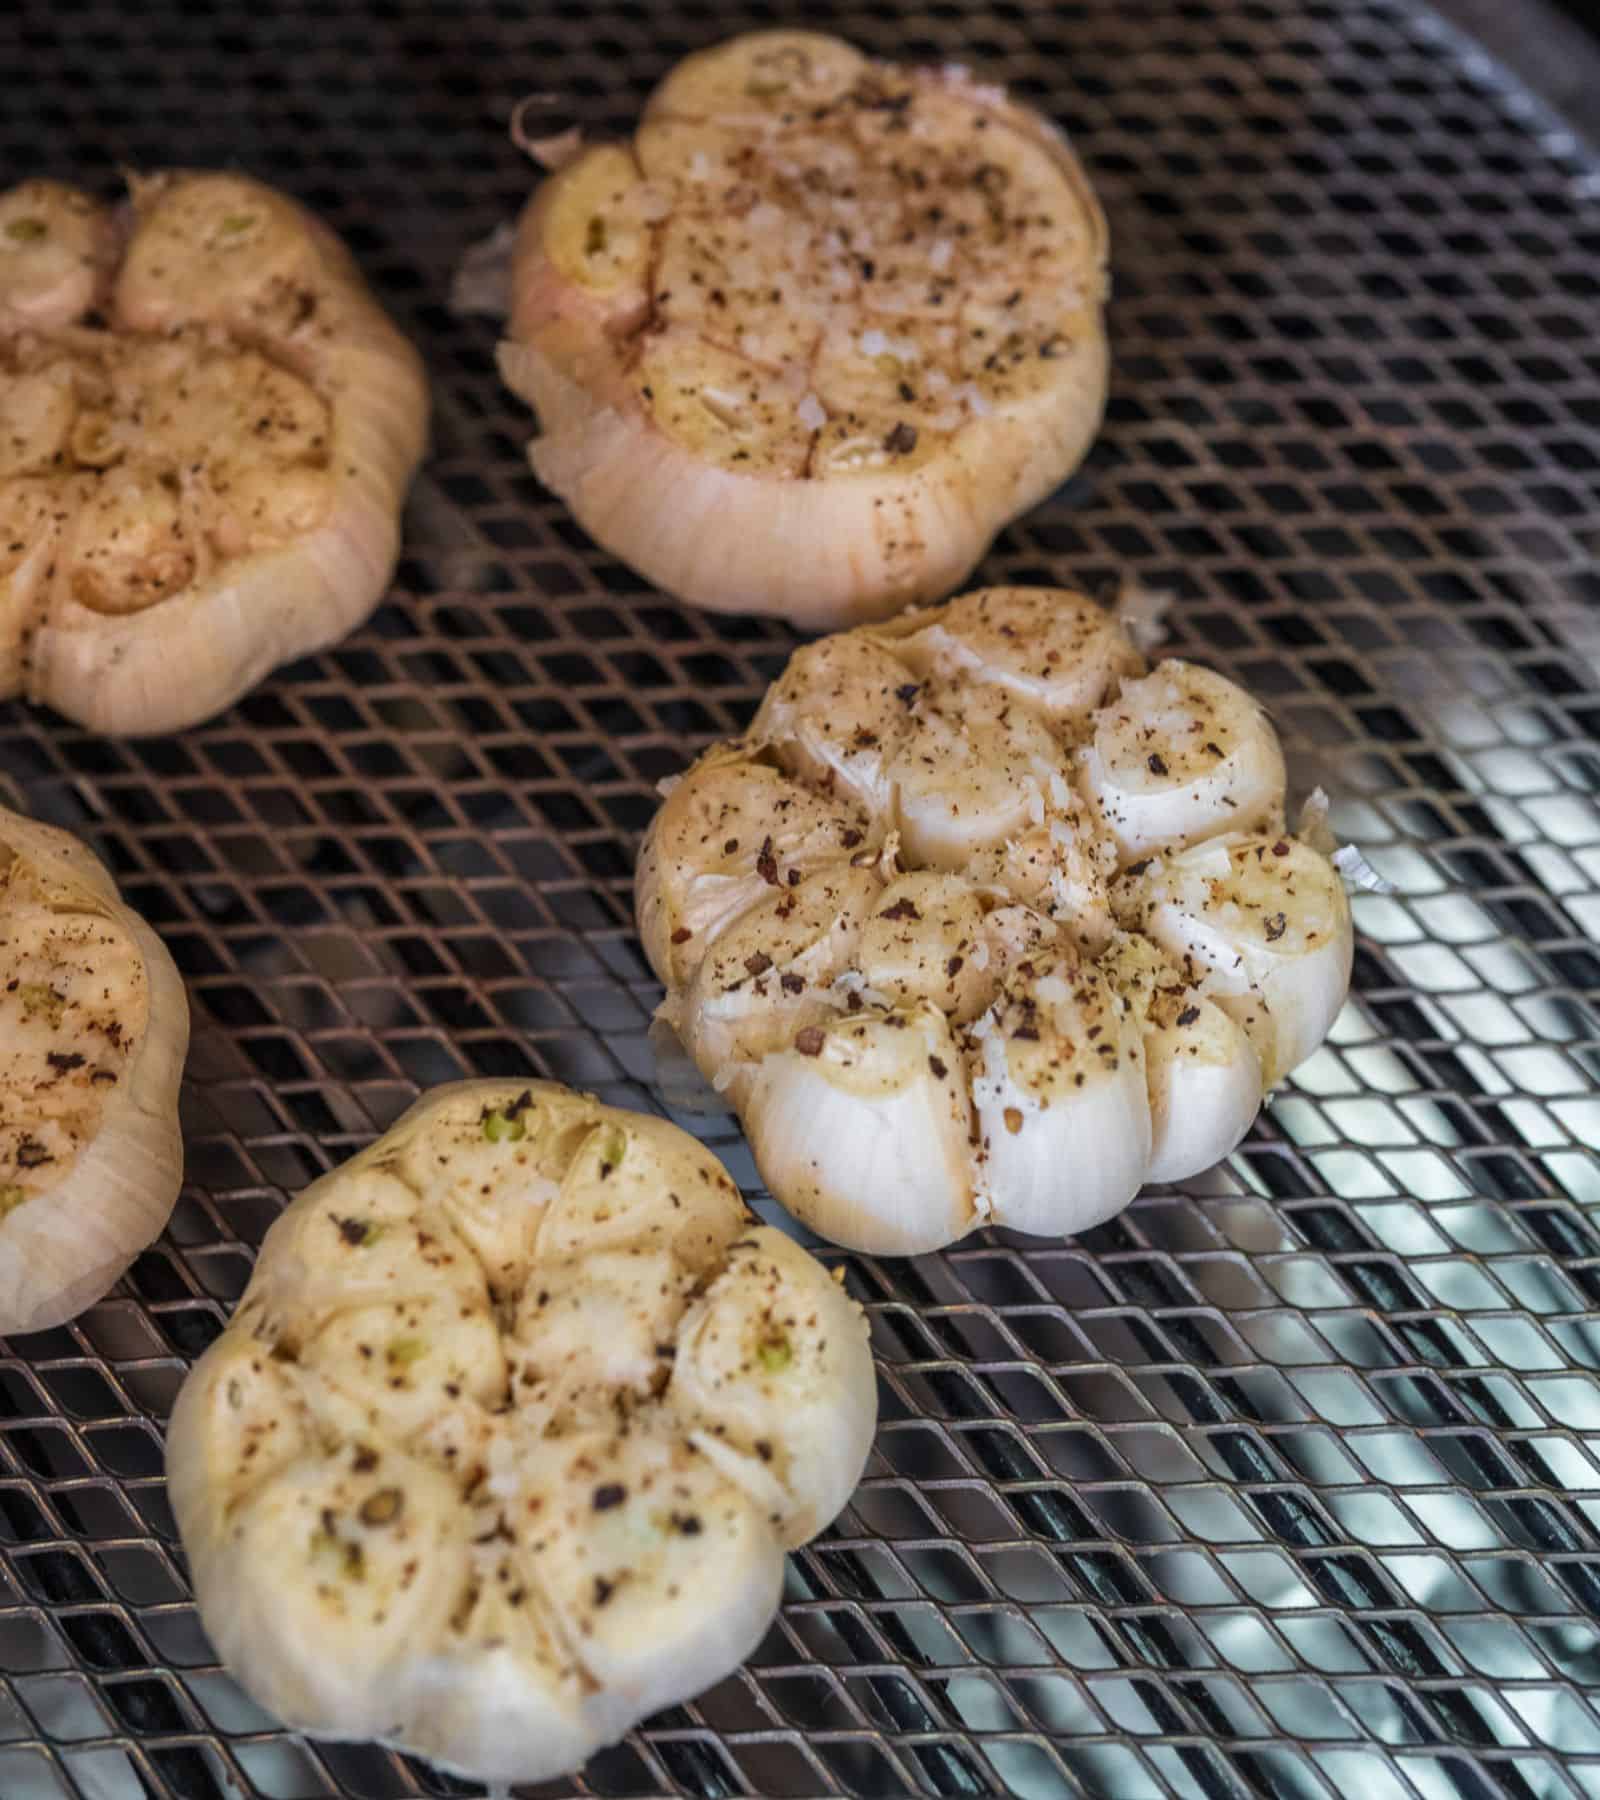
(94, 1027)
(982, 922)
(207, 429)
(810, 338)
(503, 1447)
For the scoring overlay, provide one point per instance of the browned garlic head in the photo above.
(503, 1447)
(809, 340)
(981, 922)
(207, 427)
(94, 1025)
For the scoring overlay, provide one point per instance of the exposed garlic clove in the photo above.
(56, 244)
(1203, 1075)
(862, 1127)
(1057, 651)
(364, 1593)
(232, 440)
(435, 1482)
(769, 1368)
(1181, 756)
(611, 1195)
(1059, 1093)
(94, 1026)
(770, 974)
(1262, 926)
(971, 775)
(815, 427)
(732, 830)
(655, 1565)
(837, 716)
(921, 943)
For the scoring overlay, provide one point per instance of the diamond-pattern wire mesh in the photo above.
(1282, 1484)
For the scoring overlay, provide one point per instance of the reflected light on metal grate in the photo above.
(1285, 1484)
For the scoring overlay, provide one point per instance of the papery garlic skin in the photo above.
(503, 1447)
(94, 1027)
(211, 426)
(1059, 950)
(810, 339)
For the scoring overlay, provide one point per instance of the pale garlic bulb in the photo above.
(504, 1444)
(94, 1026)
(980, 922)
(816, 333)
(209, 428)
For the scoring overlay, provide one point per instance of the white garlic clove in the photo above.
(653, 1562)
(1181, 756)
(1262, 926)
(730, 832)
(1059, 1094)
(1057, 651)
(837, 715)
(862, 1127)
(768, 1366)
(610, 1195)
(972, 773)
(772, 973)
(1203, 1075)
(370, 1545)
(56, 244)
(921, 941)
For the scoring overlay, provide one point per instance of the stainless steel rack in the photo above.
(1284, 1484)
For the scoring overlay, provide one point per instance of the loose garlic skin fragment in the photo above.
(809, 340)
(508, 1435)
(210, 428)
(94, 1027)
(1036, 971)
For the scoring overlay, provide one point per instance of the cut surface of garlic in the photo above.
(1014, 927)
(207, 428)
(503, 1447)
(94, 1026)
(816, 333)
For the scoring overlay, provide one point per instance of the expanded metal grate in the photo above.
(1283, 1484)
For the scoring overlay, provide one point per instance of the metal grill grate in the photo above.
(1287, 1484)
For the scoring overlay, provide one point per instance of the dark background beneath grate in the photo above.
(1284, 1484)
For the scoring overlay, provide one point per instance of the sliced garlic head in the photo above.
(94, 1026)
(213, 435)
(504, 1444)
(809, 340)
(1034, 970)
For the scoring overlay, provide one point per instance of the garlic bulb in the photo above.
(210, 427)
(816, 333)
(982, 921)
(503, 1447)
(94, 1025)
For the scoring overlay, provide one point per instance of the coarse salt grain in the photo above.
(811, 413)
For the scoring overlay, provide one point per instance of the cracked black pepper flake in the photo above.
(902, 440)
(603, 1590)
(902, 909)
(1275, 927)
(908, 692)
(1156, 763)
(383, 1507)
(939, 1069)
(608, 1495)
(1189, 1015)
(809, 1041)
(767, 864)
(31, 1154)
(64, 1061)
